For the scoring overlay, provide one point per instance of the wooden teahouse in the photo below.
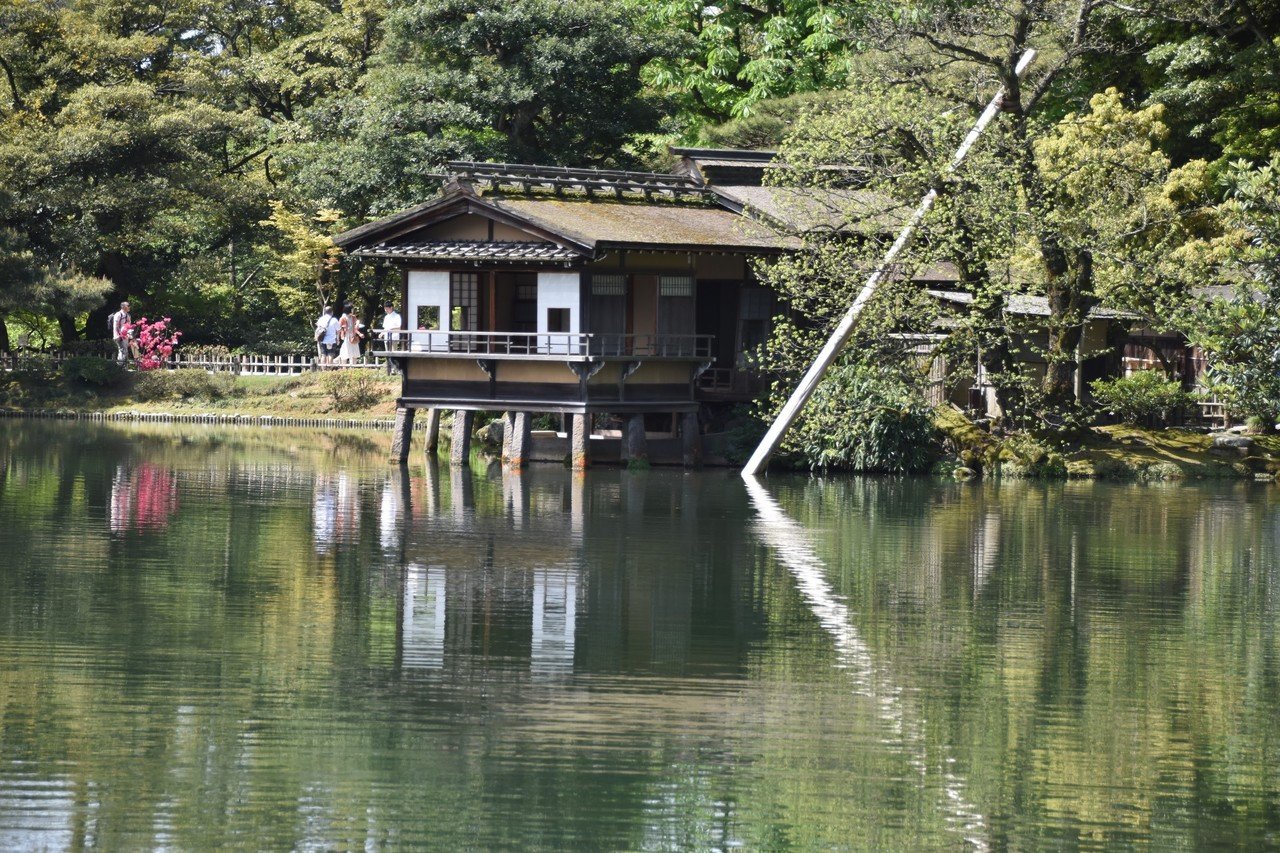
(576, 292)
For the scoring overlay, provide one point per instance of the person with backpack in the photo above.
(120, 324)
(327, 336)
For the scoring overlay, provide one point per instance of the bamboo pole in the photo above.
(760, 458)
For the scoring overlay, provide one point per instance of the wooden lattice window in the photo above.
(464, 300)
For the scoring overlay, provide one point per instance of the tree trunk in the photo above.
(67, 326)
(1070, 297)
(5, 346)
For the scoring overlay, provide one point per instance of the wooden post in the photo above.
(691, 440)
(580, 442)
(760, 458)
(402, 435)
(460, 450)
(433, 431)
(518, 426)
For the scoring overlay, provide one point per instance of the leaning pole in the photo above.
(760, 458)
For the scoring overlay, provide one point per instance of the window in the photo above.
(609, 285)
(464, 297)
(557, 319)
(675, 285)
(757, 303)
(429, 317)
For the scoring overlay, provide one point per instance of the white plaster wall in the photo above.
(559, 290)
(428, 288)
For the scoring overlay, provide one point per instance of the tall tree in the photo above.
(553, 81)
(741, 53)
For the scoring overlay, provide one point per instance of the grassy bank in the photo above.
(1119, 452)
(354, 393)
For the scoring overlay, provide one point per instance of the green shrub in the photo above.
(1143, 397)
(152, 385)
(351, 389)
(88, 370)
(864, 418)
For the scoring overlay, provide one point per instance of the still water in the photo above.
(273, 640)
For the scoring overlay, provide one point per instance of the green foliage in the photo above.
(1147, 396)
(351, 390)
(187, 384)
(864, 418)
(543, 81)
(1240, 334)
(93, 372)
(742, 53)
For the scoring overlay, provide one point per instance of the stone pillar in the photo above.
(433, 431)
(580, 442)
(460, 450)
(691, 440)
(402, 435)
(518, 439)
(508, 420)
(635, 450)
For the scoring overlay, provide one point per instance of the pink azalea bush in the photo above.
(155, 340)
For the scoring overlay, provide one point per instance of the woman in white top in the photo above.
(351, 334)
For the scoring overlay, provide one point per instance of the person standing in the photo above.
(327, 335)
(351, 333)
(391, 323)
(121, 324)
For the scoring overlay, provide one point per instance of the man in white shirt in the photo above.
(327, 336)
(392, 322)
(121, 331)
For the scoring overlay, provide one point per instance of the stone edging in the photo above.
(229, 420)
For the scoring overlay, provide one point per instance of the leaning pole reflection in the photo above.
(790, 542)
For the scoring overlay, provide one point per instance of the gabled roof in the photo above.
(816, 208)
(634, 225)
(577, 224)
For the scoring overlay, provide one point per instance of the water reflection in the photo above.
(315, 650)
(143, 497)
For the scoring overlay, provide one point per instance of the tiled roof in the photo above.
(472, 250)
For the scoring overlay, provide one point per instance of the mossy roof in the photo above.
(605, 224)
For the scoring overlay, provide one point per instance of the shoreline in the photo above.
(234, 419)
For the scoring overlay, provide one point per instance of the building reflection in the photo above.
(503, 571)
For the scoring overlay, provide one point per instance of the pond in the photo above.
(273, 640)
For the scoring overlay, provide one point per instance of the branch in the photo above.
(18, 103)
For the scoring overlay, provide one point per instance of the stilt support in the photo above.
(460, 449)
(517, 439)
(401, 435)
(580, 442)
(433, 431)
(635, 450)
(691, 440)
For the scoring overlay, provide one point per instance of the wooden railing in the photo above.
(544, 344)
(266, 365)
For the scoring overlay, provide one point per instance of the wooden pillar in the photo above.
(635, 450)
(433, 431)
(580, 442)
(691, 440)
(402, 435)
(460, 450)
(519, 429)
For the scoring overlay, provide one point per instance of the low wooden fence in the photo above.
(242, 365)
